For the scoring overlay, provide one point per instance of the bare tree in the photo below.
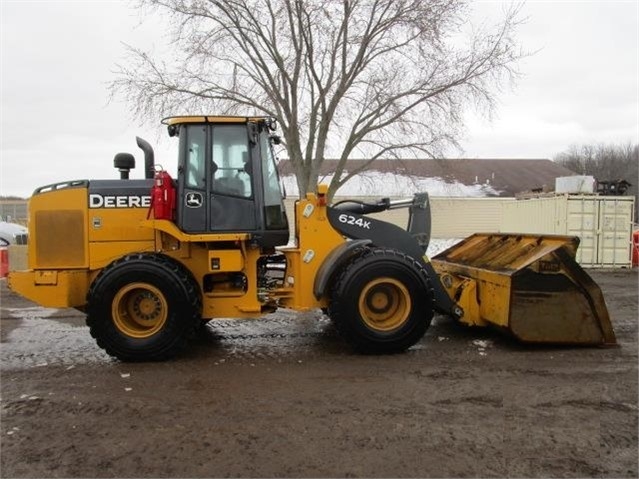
(606, 163)
(367, 78)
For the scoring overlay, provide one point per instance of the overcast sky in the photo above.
(57, 57)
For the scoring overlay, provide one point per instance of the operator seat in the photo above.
(229, 185)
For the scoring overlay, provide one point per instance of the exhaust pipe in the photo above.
(149, 157)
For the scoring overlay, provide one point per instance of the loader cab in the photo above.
(227, 178)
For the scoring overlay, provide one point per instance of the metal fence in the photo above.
(14, 211)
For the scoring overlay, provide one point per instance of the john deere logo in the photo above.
(118, 201)
(193, 200)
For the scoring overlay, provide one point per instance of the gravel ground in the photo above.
(284, 397)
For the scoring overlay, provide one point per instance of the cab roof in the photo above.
(178, 120)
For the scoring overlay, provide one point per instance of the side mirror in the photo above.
(272, 124)
(173, 130)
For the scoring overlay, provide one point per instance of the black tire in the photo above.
(382, 302)
(143, 307)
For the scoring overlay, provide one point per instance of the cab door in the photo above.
(231, 193)
(215, 188)
(192, 207)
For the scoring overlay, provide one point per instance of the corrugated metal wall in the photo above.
(539, 215)
(461, 217)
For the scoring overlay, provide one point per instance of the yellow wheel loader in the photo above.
(153, 259)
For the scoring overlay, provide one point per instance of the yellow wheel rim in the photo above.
(384, 304)
(139, 310)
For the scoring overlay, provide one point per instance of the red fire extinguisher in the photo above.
(162, 197)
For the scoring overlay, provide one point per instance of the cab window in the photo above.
(196, 158)
(230, 165)
(273, 206)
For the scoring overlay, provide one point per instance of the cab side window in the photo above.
(196, 158)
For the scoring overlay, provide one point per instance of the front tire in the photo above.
(382, 302)
(143, 307)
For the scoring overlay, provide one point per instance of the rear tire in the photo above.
(143, 307)
(382, 302)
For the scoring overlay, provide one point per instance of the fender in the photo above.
(333, 261)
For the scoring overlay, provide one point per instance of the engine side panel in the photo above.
(115, 210)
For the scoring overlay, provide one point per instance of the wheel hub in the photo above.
(147, 306)
(384, 304)
(139, 310)
(380, 299)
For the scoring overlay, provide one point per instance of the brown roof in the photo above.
(510, 176)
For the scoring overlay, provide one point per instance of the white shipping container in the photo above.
(602, 223)
(575, 184)
(462, 217)
(538, 215)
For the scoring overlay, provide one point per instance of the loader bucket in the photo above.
(530, 285)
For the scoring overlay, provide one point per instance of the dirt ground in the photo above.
(286, 398)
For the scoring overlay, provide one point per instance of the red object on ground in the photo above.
(4, 262)
(162, 197)
(635, 248)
